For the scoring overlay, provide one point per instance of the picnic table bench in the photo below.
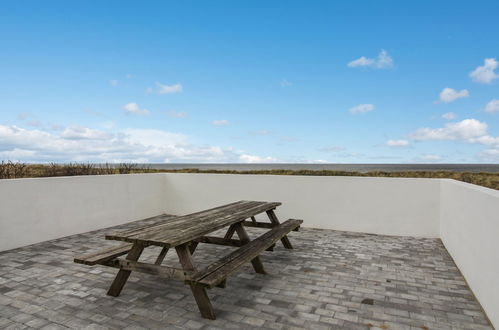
(184, 233)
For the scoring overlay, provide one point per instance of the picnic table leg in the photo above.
(161, 256)
(243, 236)
(230, 232)
(122, 276)
(199, 292)
(193, 246)
(273, 218)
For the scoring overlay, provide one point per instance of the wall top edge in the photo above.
(486, 190)
(79, 177)
(316, 177)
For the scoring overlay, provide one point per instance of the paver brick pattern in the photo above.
(331, 280)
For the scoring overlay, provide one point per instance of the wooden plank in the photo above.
(230, 232)
(99, 257)
(122, 276)
(157, 220)
(224, 241)
(214, 224)
(191, 228)
(141, 267)
(244, 237)
(243, 254)
(161, 256)
(203, 302)
(259, 224)
(199, 293)
(203, 222)
(218, 271)
(192, 246)
(185, 257)
(273, 218)
(177, 221)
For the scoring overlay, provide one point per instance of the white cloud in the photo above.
(245, 158)
(492, 106)
(449, 115)
(492, 152)
(176, 114)
(133, 108)
(113, 82)
(397, 143)
(463, 130)
(84, 144)
(286, 83)
(221, 122)
(153, 137)
(467, 130)
(383, 61)
(14, 137)
(487, 140)
(362, 61)
(448, 95)
(17, 155)
(169, 89)
(77, 132)
(361, 108)
(485, 74)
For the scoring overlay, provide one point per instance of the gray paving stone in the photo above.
(331, 280)
(15, 326)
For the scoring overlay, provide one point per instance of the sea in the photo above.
(333, 167)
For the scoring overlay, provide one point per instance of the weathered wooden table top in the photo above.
(185, 228)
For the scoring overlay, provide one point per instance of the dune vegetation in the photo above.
(14, 170)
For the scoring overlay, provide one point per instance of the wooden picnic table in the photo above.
(184, 233)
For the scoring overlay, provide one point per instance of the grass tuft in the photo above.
(12, 170)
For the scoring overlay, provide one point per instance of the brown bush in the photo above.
(11, 170)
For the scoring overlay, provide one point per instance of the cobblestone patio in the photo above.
(332, 279)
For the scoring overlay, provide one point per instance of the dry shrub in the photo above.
(10, 170)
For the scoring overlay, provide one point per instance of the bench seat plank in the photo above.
(101, 256)
(218, 271)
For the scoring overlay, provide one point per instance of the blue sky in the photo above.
(249, 81)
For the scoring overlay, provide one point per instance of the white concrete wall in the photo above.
(36, 210)
(469, 229)
(391, 206)
(465, 216)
